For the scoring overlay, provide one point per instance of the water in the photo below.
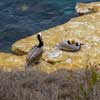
(21, 18)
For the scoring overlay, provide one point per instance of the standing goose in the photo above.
(70, 46)
(35, 53)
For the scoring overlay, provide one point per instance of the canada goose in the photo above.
(35, 53)
(70, 46)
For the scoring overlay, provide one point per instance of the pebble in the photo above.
(69, 61)
(54, 54)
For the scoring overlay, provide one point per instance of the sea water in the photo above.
(22, 18)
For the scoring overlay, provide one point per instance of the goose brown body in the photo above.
(70, 47)
(35, 53)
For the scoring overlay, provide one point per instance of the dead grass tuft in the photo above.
(59, 85)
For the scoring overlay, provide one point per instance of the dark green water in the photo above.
(21, 18)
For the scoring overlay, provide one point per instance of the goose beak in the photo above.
(82, 44)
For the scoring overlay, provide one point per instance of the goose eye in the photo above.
(77, 44)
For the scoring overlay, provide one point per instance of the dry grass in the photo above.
(59, 85)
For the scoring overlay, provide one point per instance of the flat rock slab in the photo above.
(85, 29)
(10, 61)
(87, 8)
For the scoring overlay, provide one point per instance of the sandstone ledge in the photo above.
(85, 29)
(10, 61)
(87, 8)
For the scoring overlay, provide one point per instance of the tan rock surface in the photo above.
(10, 61)
(86, 8)
(85, 29)
(49, 37)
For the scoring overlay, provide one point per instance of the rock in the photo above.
(10, 61)
(23, 49)
(24, 45)
(85, 29)
(87, 8)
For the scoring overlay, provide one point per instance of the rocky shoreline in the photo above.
(84, 28)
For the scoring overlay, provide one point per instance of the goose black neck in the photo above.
(40, 42)
(78, 45)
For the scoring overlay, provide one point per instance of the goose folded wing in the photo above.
(34, 53)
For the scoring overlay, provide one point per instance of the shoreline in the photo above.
(83, 28)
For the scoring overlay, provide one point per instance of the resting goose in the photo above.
(70, 46)
(35, 53)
